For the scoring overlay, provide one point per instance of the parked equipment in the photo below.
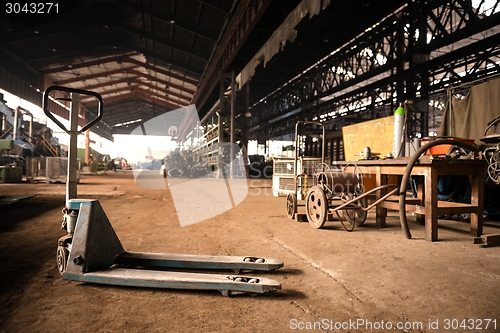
(299, 171)
(91, 251)
(9, 173)
(329, 190)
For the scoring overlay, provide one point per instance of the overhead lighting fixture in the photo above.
(127, 123)
(170, 17)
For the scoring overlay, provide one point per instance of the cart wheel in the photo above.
(316, 207)
(62, 259)
(355, 216)
(291, 205)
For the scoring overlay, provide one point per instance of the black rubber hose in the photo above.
(406, 176)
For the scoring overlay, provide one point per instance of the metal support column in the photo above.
(248, 114)
(15, 132)
(4, 123)
(219, 124)
(31, 128)
(87, 147)
(232, 120)
(71, 187)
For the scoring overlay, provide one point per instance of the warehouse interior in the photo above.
(319, 165)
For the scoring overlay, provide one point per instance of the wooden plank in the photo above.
(409, 200)
(395, 205)
(487, 240)
(449, 208)
(403, 162)
(450, 204)
(377, 134)
(442, 210)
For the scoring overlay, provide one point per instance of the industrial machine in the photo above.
(9, 172)
(91, 251)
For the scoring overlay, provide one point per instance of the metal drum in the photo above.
(334, 186)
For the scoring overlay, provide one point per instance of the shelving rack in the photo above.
(207, 150)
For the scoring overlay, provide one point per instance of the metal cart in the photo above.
(325, 191)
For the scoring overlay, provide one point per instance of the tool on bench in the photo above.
(91, 251)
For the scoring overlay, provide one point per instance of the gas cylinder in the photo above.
(399, 118)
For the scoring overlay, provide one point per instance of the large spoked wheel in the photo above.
(316, 207)
(357, 216)
(62, 259)
(291, 205)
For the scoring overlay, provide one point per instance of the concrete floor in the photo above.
(368, 280)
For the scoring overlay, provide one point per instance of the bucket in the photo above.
(442, 149)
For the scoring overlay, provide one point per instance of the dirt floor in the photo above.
(369, 280)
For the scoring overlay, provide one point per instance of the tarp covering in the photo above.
(285, 32)
(469, 117)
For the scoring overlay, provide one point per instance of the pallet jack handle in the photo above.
(71, 183)
(45, 103)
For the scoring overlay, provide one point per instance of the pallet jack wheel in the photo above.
(62, 259)
(291, 205)
(316, 207)
(356, 216)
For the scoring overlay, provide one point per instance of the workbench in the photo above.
(426, 205)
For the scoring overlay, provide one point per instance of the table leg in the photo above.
(381, 212)
(421, 197)
(477, 199)
(431, 198)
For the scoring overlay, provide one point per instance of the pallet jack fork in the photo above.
(91, 251)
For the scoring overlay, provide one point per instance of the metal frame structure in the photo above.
(300, 182)
(323, 198)
(413, 54)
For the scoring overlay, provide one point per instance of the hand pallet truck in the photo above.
(91, 251)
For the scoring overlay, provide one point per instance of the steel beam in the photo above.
(244, 20)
